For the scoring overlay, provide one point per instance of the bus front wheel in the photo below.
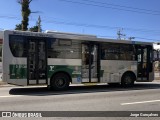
(127, 80)
(60, 81)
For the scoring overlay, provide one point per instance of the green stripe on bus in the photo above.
(73, 71)
(18, 71)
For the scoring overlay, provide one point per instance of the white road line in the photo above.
(10, 96)
(24, 95)
(141, 102)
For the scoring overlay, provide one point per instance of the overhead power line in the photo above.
(9, 17)
(92, 25)
(147, 39)
(88, 25)
(101, 26)
(135, 38)
(116, 7)
(129, 7)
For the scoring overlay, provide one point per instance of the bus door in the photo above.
(37, 61)
(144, 55)
(90, 63)
(157, 63)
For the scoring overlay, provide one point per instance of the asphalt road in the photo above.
(141, 97)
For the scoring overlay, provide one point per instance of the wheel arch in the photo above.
(70, 78)
(129, 72)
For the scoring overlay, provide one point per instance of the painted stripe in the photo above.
(10, 96)
(141, 102)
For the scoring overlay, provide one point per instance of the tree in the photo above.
(34, 29)
(18, 27)
(25, 13)
(37, 27)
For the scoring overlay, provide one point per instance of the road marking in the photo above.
(10, 96)
(141, 102)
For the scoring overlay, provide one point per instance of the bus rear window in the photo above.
(17, 46)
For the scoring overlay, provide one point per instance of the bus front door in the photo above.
(90, 63)
(144, 63)
(37, 61)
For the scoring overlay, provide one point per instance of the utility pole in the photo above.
(39, 24)
(120, 34)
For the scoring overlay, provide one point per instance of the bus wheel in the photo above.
(128, 80)
(60, 81)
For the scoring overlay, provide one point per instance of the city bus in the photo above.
(58, 59)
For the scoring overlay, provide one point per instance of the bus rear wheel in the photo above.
(60, 81)
(128, 80)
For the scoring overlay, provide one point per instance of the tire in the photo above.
(128, 80)
(60, 81)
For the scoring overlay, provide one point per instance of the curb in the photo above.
(4, 84)
(155, 81)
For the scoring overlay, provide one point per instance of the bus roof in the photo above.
(85, 37)
(72, 34)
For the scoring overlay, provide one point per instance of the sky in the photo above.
(134, 18)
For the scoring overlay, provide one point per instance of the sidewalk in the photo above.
(157, 80)
(4, 84)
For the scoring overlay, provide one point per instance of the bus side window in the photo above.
(18, 46)
(86, 58)
(103, 54)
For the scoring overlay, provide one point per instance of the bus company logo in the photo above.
(51, 68)
(6, 114)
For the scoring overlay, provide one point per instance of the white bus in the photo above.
(59, 59)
